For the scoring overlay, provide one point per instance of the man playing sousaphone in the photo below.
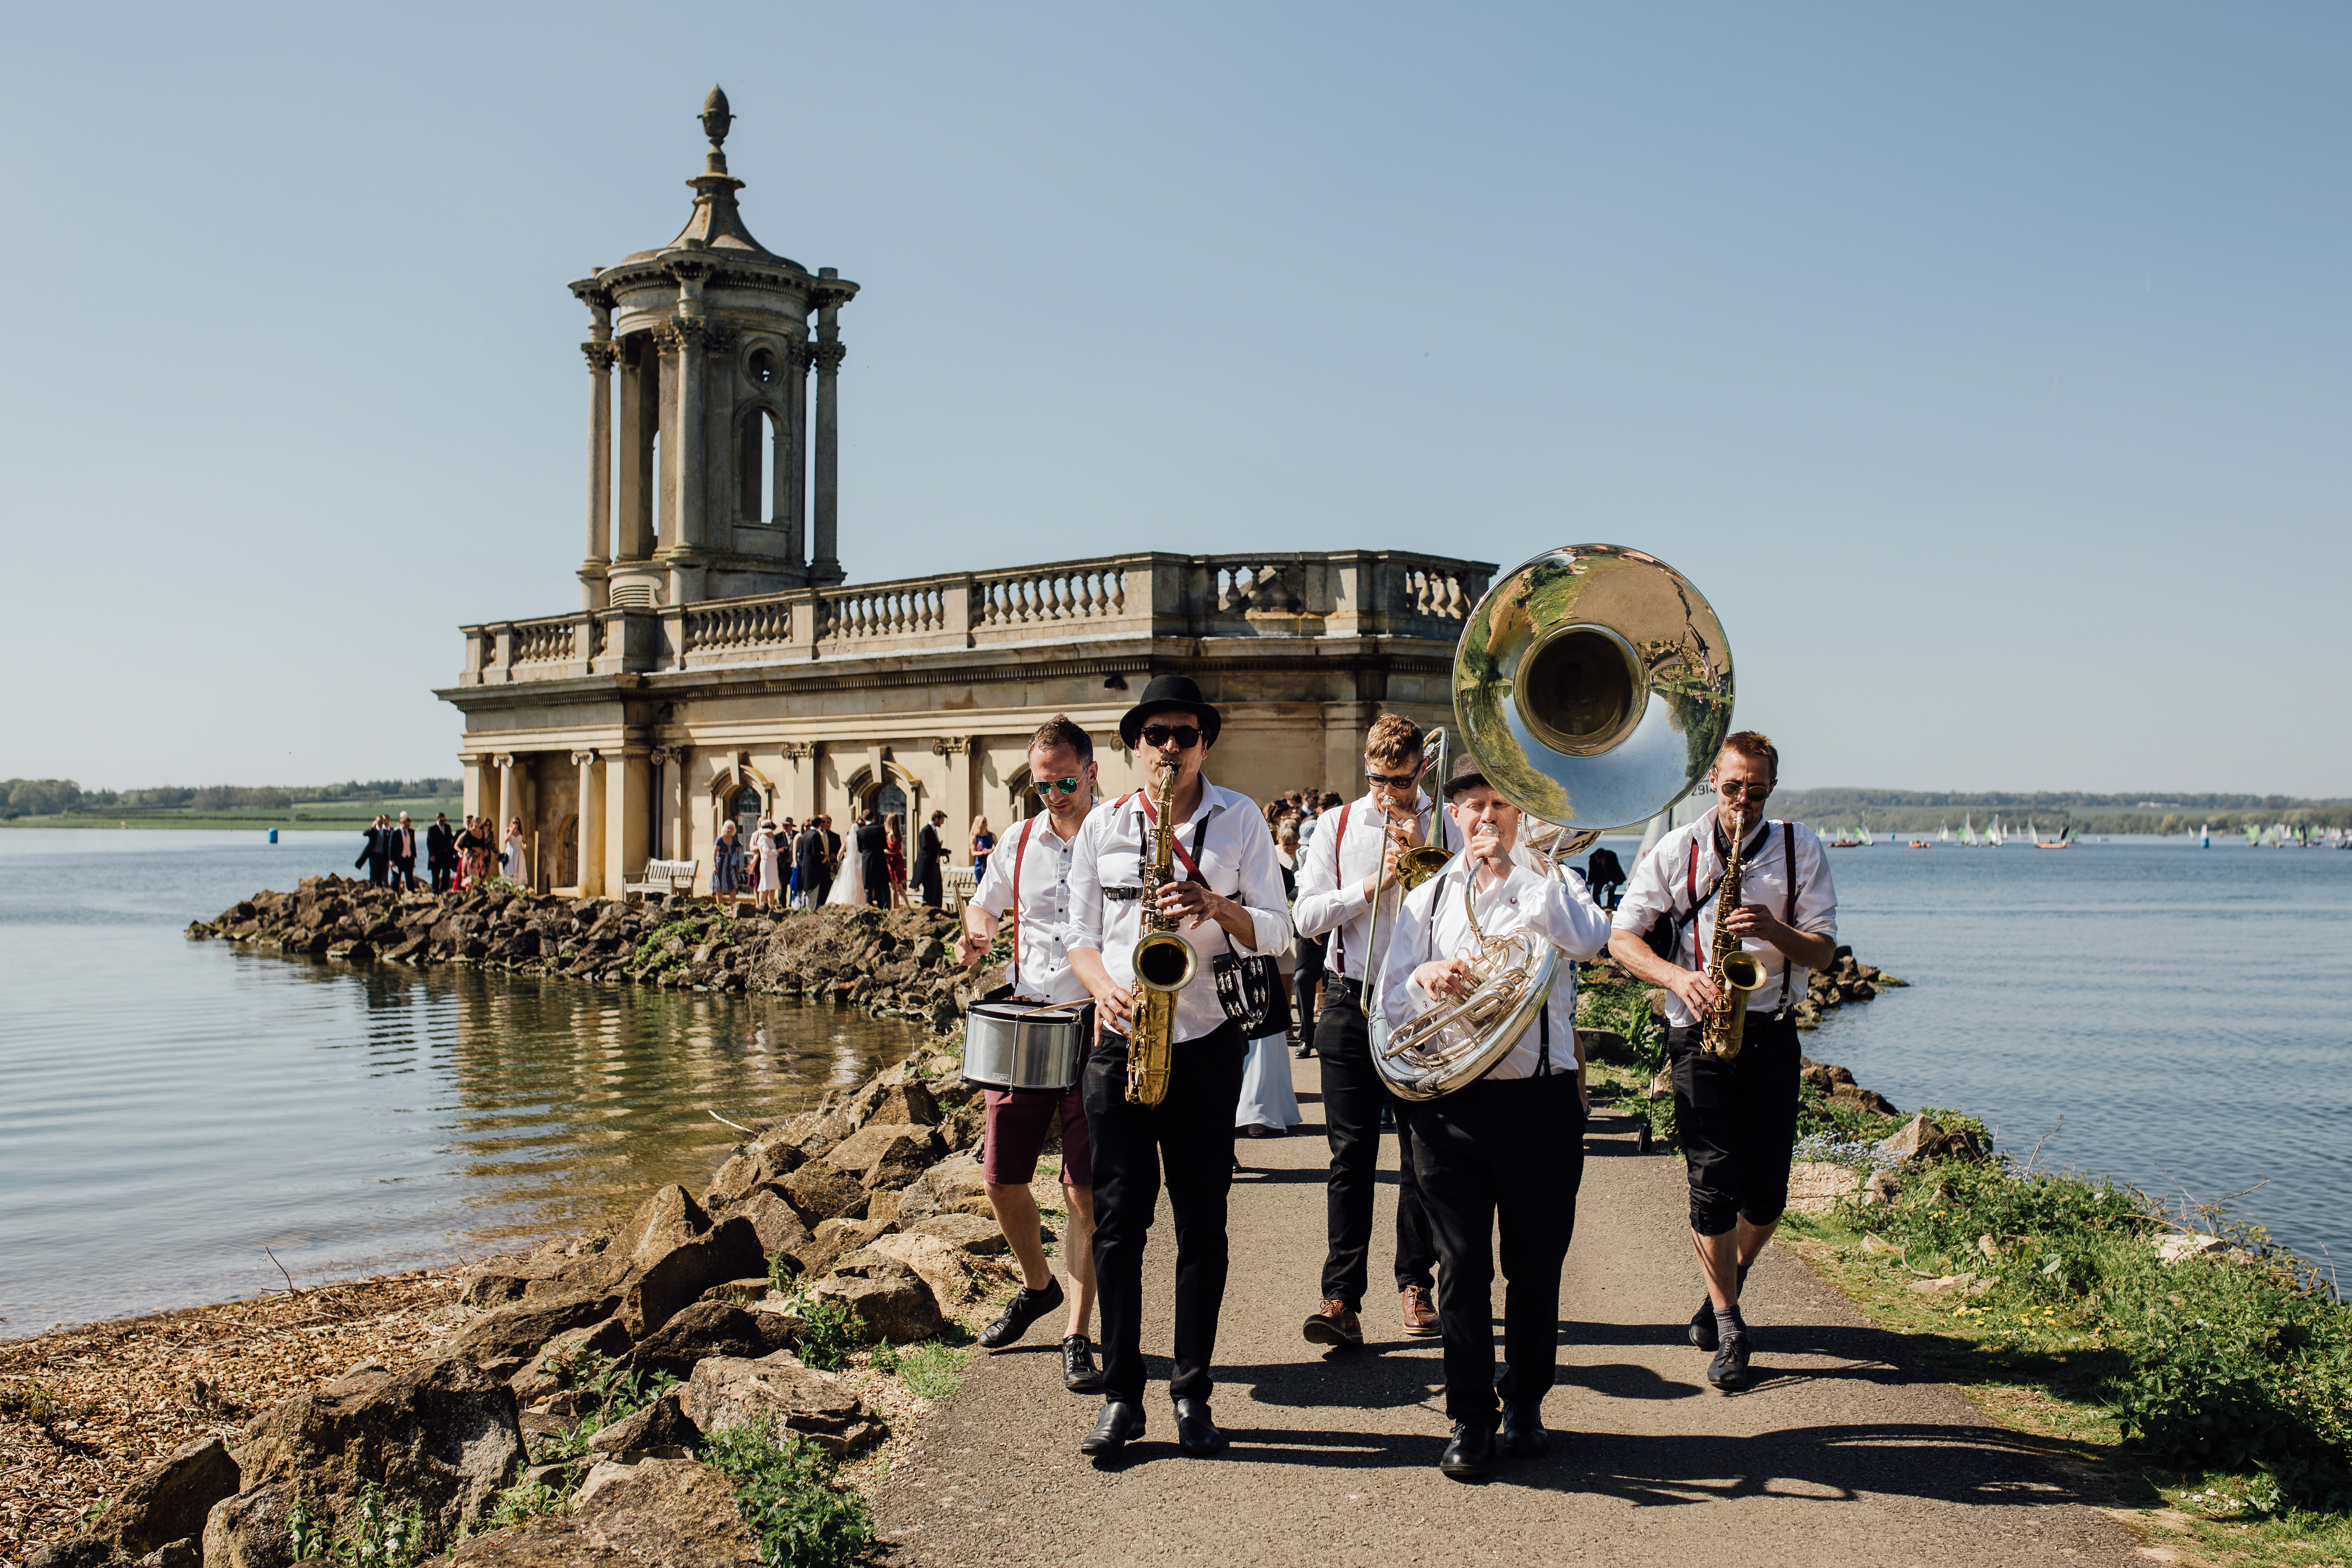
(1223, 894)
(1508, 1147)
(1737, 1117)
(1032, 871)
(1352, 861)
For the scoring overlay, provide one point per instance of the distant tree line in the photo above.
(1925, 811)
(56, 798)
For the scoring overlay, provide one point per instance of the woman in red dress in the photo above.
(894, 858)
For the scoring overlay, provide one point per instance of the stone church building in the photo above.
(719, 666)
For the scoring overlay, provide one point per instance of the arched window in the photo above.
(755, 459)
(744, 806)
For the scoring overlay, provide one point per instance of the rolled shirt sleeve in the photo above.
(1564, 911)
(1260, 889)
(1085, 882)
(1324, 905)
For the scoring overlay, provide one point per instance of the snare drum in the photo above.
(1029, 1047)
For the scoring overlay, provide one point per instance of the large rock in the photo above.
(707, 1329)
(677, 1277)
(820, 1191)
(505, 1342)
(442, 1435)
(965, 1232)
(933, 1262)
(739, 1177)
(908, 1103)
(779, 1392)
(168, 1503)
(249, 1530)
(876, 1145)
(832, 1239)
(662, 1430)
(780, 1228)
(1816, 1186)
(951, 1186)
(543, 1374)
(1921, 1138)
(679, 1513)
(80, 1551)
(892, 1302)
(664, 1222)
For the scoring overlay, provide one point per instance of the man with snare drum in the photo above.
(1030, 877)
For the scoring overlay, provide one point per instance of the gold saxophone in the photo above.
(1734, 970)
(1164, 962)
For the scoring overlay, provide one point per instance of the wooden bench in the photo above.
(663, 879)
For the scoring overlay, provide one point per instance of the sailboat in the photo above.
(1866, 840)
(1993, 835)
(1968, 831)
(2205, 836)
(2031, 837)
(1945, 836)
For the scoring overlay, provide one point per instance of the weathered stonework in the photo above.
(713, 671)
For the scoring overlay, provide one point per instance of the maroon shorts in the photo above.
(1016, 1132)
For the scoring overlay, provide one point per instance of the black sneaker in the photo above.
(1025, 1308)
(1703, 1331)
(1728, 1371)
(1080, 1373)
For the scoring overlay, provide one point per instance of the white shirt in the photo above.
(1331, 873)
(1434, 925)
(1041, 931)
(1236, 858)
(1685, 862)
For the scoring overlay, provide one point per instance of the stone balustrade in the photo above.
(1329, 593)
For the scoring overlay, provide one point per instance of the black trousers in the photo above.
(1307, 972)
(404, 874)
(441, 878)
(1511, 1150)
(1190, 1133)
(379, 870)
(1353, 1096)
(1737, 1121)
(934, 891)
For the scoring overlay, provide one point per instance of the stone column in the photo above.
(664, 766)
(957, 802)
(471, 804)
(684, 452)
(594, 569)
(626, 818)
(825, 567)
(588, 826)
(800, 791)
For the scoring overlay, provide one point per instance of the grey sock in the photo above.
(1728, 1322)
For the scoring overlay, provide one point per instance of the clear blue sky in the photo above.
(1987, 365)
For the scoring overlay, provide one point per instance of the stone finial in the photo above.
(715, 116)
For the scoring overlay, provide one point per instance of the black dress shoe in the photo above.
(1470, 1457)
(1080, 1373)
(1025, 1308)
(1702, 1330)
(1120, 1424)
(1728, 1371)
(1195, 1433)
(1523, 1430)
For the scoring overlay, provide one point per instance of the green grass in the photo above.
(2219, 1389)
(787, 1492)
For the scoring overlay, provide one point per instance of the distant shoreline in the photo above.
(217, 823)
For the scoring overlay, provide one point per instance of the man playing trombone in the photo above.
(1508, 1146)
(1352, 862)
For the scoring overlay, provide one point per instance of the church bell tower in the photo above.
(718, 475)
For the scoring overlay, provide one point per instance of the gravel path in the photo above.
(1840, 1455)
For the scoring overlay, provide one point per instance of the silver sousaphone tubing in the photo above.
(1592, 685)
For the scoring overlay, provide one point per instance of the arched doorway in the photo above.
(745, 806)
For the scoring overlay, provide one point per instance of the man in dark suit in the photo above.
(930, 851)
(832, 867)
(873, 860)
(403, 854)
(808, 863)
(377, 856)
(440, 851)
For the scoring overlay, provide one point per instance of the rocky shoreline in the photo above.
(575, 1386)
(896, 964)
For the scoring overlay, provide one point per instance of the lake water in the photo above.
(172, 1107)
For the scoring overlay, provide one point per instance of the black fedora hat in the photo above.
(1465, 773)
(1170, 691)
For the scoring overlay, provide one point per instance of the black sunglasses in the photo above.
(1066, 786)
(1740, 789)
(1394, 781)
(1185, 736)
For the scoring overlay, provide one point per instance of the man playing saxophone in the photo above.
(1737, 1115)
(1508, 1147)
(1223, 894)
